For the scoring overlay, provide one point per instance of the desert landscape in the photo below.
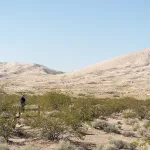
(126, 75)
(104, 106)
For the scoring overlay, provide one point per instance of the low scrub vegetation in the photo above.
(129, 113)
(105, 126)
(61, 114)
(117, 145)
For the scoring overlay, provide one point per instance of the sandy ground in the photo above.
(93, 138)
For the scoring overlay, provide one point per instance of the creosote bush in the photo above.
(6, 127)
(105, 126)
(52, 128)
(142, 112)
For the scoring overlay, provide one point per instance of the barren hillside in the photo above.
(8, 69)
(127, 75)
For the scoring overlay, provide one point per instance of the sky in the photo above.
(68, 35)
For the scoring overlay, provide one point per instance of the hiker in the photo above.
(22, 102)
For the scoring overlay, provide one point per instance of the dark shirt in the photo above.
(22, 99)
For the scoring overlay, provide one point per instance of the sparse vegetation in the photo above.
(131, 121)
(142, 132)
(117, 145)
(52, 128)
(129, 113)
(128, 134)
(105, 126)
(62, 114)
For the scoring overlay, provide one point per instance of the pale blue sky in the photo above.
(71, 34)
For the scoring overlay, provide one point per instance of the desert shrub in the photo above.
(128, 134)
(7, 117)
(142, 132)
(72, 121)
(122, 144)
(119, 144)
(135, 126)
(105, 126)
(66, 145)
(4, 146)
(142, 112)
(33, 122)
(141, 144)
(129, 113)
(49, 101)
(100, 110)
(146, 124)
(132, 146)
(107, 147)
(52, 128)
(83, 109)
(54, 101)
(130, 121)
(6, 127)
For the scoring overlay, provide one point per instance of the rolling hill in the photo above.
(126, 75)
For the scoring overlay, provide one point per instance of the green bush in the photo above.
(142, 112)
(61, 112)
(6, 127)
(52, 128)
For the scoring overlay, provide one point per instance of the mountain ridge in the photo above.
(18, 68)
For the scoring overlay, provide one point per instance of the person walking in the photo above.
(22, 102)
